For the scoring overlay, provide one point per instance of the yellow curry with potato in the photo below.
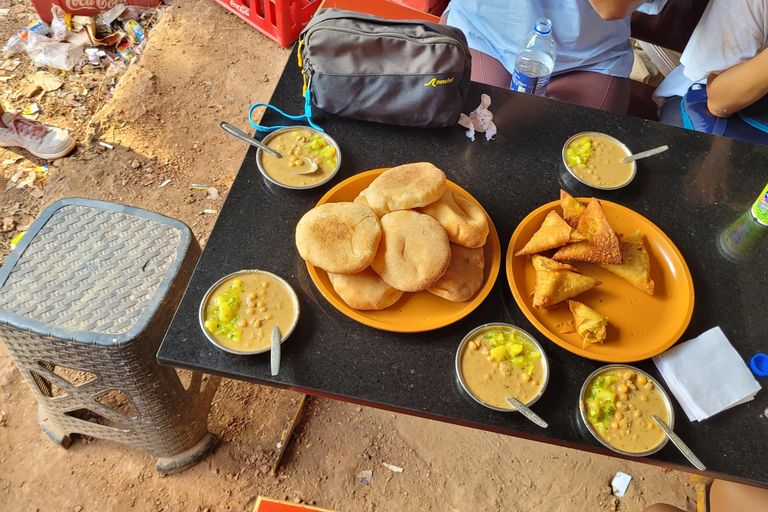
(619, 404)
(597, 161)
(299, 149)
(500, 362)
(242, 311)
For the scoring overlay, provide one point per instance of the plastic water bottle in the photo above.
(740, 238)
(535, 60)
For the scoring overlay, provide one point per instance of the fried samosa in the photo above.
(590, 324)
(554, 232)
(572, 209)
(556, 282)
(637, 265)
(601, 245)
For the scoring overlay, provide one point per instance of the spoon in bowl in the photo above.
(525, 411)
(231, 130)
(680, 444)
(644, 154)
(275, 351)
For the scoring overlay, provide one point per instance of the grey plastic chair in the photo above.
(85, 300)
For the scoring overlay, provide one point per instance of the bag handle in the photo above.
(268, 129)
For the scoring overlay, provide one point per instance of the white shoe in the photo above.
(42, 140)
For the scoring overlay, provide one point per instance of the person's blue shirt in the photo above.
(584, 40)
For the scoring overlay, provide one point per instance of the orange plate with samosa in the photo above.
(411, 312)
(640, 324)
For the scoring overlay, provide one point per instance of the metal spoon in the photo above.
(231, 130)
(527, 412)
(643, 154)
(680, 444)
(275, 351)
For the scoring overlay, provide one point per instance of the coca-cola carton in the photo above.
(84, 7)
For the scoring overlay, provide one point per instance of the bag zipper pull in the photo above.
(298, 51)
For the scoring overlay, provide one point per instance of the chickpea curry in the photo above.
(299, 149)
(620, 405)
(241, 312)
(500, 362)
(597, 161)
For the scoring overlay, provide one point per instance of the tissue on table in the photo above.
(479, 120)
(706, 375)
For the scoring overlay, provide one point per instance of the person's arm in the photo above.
(738, 87)
(611, 10)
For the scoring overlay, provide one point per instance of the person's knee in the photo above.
(662, 507)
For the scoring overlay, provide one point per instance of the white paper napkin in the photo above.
(707, 375)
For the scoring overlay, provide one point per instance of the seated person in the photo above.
(726, 53)
(594, 54)
(726, 497)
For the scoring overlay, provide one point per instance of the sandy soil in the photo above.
(203, 65)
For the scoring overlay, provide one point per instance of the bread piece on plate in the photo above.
(414, 251)
(572, 209)
(360, 199)
(556, 282)
(637, 265)
(554, 232)
(405, 187)
(601, 245)
(591, 325)
(464, 276)
(339, 237)
(464, 221)
(364, 290)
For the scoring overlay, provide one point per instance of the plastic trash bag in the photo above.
(46, 52)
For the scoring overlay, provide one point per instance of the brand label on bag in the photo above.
(435, 82)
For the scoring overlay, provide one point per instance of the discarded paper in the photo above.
(392, 467)
(479, 120)
(365, 476)
(46, 81)
(620, 483)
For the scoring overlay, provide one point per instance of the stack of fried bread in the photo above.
(582, 234)
(407, 232)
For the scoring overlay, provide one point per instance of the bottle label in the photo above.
(760, 208)
(529, 84)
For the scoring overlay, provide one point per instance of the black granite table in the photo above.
(698, 187)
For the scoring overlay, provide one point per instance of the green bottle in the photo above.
(740, 238)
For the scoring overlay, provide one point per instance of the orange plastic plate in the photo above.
(639, 325)
(414, 312)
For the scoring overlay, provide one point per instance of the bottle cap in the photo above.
(759, 365)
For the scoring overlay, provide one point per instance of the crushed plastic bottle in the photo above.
(535, 60)
(18, 42)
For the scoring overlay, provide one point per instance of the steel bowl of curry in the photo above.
(497, 360)
(594, 159)
(300, 146)
(617, 404)
(239, 312)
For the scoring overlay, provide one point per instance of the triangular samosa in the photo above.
(554, 232)
(637, 265)
(572, 209)
(590, 324)
(601, 245)
(556, 282)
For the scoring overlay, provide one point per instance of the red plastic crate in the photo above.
(435, 7)
(84, 7)
(280, 20)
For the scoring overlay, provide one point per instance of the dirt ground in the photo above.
(203, 65)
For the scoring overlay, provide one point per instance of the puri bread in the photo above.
(405, 187)
(364, 290)
(414, 251)
(341, 238)
(464, 221)
(464, 275)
